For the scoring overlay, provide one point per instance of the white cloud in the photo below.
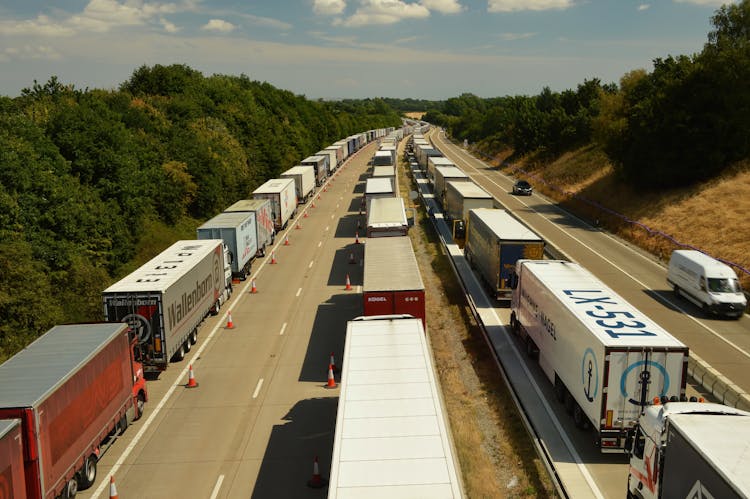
(520, 5)
(384, 12)
(218, 25)
(515, 36)
(443, 6)
(168, 26)
(29, 52)
(704, 3)
(265, 21)
(329, 7)
(643, 6)
(41, 26)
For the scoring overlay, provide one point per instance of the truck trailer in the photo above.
(690, 449)
(605, 359)
(332, 159)
(435, 161)
(392, 282)
(283, 196)
(387, 217)
(239, 234)
(460, 197)
(380, 187)
(444, 174)
(338, 150)
(75, 389)
(494, 242)
(166, 299)
(264, 226)
(320, 163)
(12, 478)
(304, 181)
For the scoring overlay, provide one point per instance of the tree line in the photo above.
(684, 122)
(94, 182)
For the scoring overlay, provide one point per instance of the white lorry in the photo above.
(387, 217)
(690, 449)
(264, 226)
(165, 300)
(283, 196)
(444, 174)
(320, 163)
(304, 181)
(707, 282)
(380, 187)
(605, 359)
(240, 236)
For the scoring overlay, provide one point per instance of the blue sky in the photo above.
(431, 49)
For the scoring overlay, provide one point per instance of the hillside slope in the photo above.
(712, 217)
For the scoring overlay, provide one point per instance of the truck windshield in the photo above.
(716, 285)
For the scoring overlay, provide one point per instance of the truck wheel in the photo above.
(676, 291)
(560, 390)
(570, 402)
(188, 345)
(194, 337)
(140, 404)
(514, 324)
(579, 418)
(179, 354)
(71, 488)
(531, 350)
(87, 475)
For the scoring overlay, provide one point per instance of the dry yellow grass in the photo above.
(496, 455)
(416, 115)
(712, 217)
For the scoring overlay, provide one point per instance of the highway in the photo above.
(261, 412)
(640, 278)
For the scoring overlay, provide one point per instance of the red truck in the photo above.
(392, 281)
(12, 482)
(74, 389)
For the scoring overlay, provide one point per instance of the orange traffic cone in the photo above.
(273, 258)
(359, 224)
(318, 196)
(312, 205)
(112, 488)
(316, 482)
(230, 324)
(305, 215)
(333, 363)
(331, 382)
(348, 287)
(351, 258)
(286, 239)
(191, 378)
(356, 238)
(297, 227)
(253, 289)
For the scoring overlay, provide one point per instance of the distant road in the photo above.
(639, 277)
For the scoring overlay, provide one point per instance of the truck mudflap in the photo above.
(612, 441)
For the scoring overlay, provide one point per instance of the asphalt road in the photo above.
(640, 279)
(261, 412)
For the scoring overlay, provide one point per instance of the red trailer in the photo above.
(75, 389)
(392, 281)
(12, 482)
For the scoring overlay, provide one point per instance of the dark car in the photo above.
(523, 188)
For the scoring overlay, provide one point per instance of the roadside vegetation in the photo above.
(667, 149)
(95, 182)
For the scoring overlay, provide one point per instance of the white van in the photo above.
(706, 282)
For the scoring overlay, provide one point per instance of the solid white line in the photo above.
(310, 266)
(217, 487)
(626, 273)
(283, 327)
(299, 291)
(257, 388)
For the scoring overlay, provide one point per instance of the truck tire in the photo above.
(194, 337)
(580, 419)
(71, 489)
(140, 404)
(570, 402)
(179, 354)
(560, 390)
(87, 475)
(187, 345)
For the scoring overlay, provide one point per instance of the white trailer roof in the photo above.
(390, 265)
(386, 212)
(228, 219)
(468, 190)
(450, 172)
(440, 161)
(383, 154)
(503, 225)
(313, 159)
(300, 170)
(36, 371)
(171, 264)
(605, 313)
(383, 171)
(392, 436)
(274, 185)
(248, 205)
(380, 185)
